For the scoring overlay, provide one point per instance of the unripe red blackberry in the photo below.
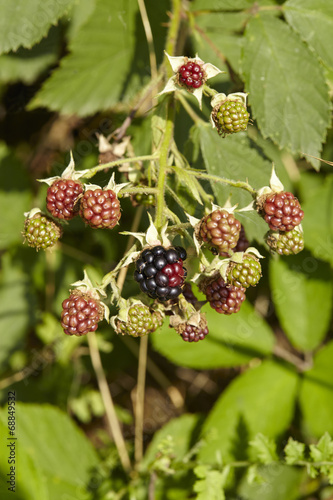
(246, 273)
(242, 243)
(289, 243)
(224, 298)
(188, 294)
(100, 208)
(81, 313)
(160, 272)
(191, 75)
(230, 117)
(191, 333)
(40, 231)
(220, 229)
(139, 321)
(281, 211)
(62, 198)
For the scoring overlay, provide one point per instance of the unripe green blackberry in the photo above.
(139, 321)
(221, 230)
(289, 243)
(246, 273)
(143, 199)
(41, 232)
(230, 117)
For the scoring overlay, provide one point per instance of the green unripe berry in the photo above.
(246, 273)
(41, 232)
(230, 117)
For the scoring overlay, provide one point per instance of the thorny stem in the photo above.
(93, 171)
(170, 46)
(188, 108)
(108, 402)
(208, 91)
(215, 178)
(138, 189)
(139, 401)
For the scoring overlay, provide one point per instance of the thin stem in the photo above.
(170, 46)
(108, 402)
(149, 36)
(282, 353)
(163, 164)
(188, 108)
(93, 171)
(209, 91)
(140, 399)
(138, 189)
(215, 178)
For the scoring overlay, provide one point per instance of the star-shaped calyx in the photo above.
(190, 74)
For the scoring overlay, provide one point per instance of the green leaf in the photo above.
(263, 449)
(108, 60)
(189, 181)
(294, 451)
(302, 293)
(179, 432)
(232, 340)
(210, 484)
(221, 4)
(260, 400)
(323, 450)
(17, 306)
(279, 482)
(318, 222)
(47, 452)
(313, 20)
(25, 23)
(233, 158)
(27, 64)
(290, 108)
(317, 393)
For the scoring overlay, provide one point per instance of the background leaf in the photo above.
(260, 400)
(278, 483)
(290, 108)
(313, 20)
(25, 23)
(302, 292)
(232, 340)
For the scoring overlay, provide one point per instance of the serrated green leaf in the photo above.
(302, 292)
(233, 158)
(318, 222)
(25, 23)
(317, 392)
(51, 443)
(189, 181)
(290, 108)
(323, 450)
(108, 60)
(260, 400)
(294, 451)
(313, 20)
(232, 340)
(263, 449)
(27, 64)
(210, 485)
(221, 4)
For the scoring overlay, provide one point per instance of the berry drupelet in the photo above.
(224, 298)
(160, 272)
(81, 314)
(221, 230)
(281, 211)
(100, 208)
(62, 197)
(191, 75)
(41, 232)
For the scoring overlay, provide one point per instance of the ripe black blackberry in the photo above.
(160, 272)
(282, 211)
(224, 298)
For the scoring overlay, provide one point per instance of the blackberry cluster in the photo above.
(282, 211)
(224, 298)
(191, 333)
(191, 75)
(246, 273)
(100, 208)
(62, 197)
(230, 117)
(139, 321)
(81, 314)
(160, 272)
(221, 230)
(41, 232)
(289, 243)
